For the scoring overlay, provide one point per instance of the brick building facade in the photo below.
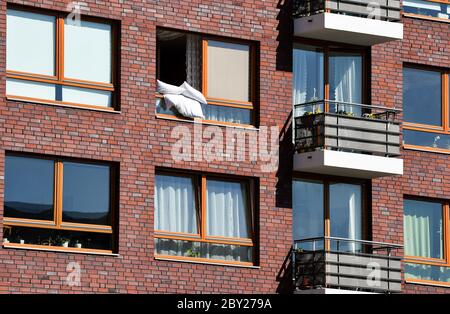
(140, 143)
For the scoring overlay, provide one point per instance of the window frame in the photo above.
(326, 181)
(58, 223)
(327, 48)
(249, 105)
(58, 78)
(428, 17)
(200, 181)
(445, 261)
(444, 128)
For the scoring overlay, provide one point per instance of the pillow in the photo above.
(164, 88)
(192, 93)
(185, 106)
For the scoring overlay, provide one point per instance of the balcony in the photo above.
(358, 22)
(330, 265)
(346, 139)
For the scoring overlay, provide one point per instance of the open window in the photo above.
(222, 69)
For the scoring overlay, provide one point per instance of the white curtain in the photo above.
(227, 209)
(345, 214)
(423, 229)
(193, 60)
(175, 207)
(346, 81)
(308, 80)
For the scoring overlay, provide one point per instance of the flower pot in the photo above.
(5, 240)
(22, 241)
(65, 244)
(78, 245)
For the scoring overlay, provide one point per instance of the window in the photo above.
(328, 73)
(52, 59)
(426, 109)
(204, 218)
(327, 208)
(426, 236)
(435, 8)
(224, 70)
(63, 204)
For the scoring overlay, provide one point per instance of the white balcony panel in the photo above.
(347, 29)
(347, 164)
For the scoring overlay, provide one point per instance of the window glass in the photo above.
(29, 188)
(86, 193)
(346, 214)
(228, 71)
(422, 96)
(30, 42)
(87, 51)
(423, 232)
(429, 8)
(175, 204)
(308, 209)
(30, 89)
(426, 139)
(86, 96)
(227, 209)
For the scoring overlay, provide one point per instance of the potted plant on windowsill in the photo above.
(78, 244)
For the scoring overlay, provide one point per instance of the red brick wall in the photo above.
(140, 142)
(425, 174)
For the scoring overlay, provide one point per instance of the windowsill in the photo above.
(200, 121)
(426, 17)
(63, 105)
(427, 149)
(57, 249)
(206, 262)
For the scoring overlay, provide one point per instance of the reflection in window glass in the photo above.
(30, 42)
(429, 8)
(427, 272)
(29, 188)
(422, 96)
(86, 193)
(308, 209)
(426, 139)
(423, 229)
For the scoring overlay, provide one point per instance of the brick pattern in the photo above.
(140, 142)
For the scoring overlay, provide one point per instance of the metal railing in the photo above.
(344, 126)
(346, 264)
(386, 10)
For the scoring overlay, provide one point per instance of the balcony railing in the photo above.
(386, 10)
(349, 127)
(332, 262)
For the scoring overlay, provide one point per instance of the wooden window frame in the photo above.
(200, 181)
(326, 181)
(249, 105)
(327, 48)
(57, 223)
(58, 78)
(445, 261)
(444, 128)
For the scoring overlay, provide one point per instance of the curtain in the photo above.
(193, 60)
(308, 80)
(345, 214)
(175, 207)
(346, 81)
(227, 209)
(423, 229)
